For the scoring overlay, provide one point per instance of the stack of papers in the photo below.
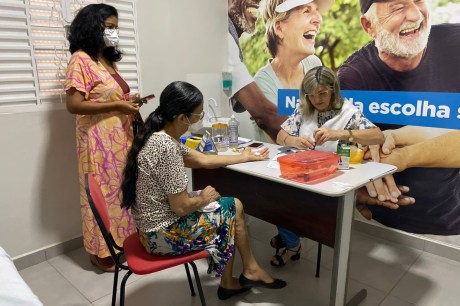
(273, 163)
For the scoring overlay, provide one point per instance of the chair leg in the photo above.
(115, 285)
(190, 283)
(198, 283)
(318, 260)
(122, 288)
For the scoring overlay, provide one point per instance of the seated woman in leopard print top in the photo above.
(169, 219)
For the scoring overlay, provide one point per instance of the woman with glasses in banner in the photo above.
(172, 221)
(101, 99)
(322, 121)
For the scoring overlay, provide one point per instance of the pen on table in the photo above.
(285, 152)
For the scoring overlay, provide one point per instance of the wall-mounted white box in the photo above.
(215, 101)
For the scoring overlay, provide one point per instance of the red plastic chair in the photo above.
(138, 260)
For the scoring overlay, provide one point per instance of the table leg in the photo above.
(342, 249)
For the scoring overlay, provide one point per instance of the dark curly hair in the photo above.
(86, 32)
(177, 98)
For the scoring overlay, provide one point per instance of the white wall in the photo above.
(38, 181)
(39, 192)
(177, 38)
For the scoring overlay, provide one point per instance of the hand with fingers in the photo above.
(127, 107)
(303, 142)
(363, 199)
(208, 195)
(374, 151)
(255, 155)
(323, 135)
(134, 97)
(398, 157)
(390, 142)
(385, 189)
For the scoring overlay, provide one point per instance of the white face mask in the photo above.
(111, 37)
(195, 127)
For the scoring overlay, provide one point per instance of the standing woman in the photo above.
(101, 99)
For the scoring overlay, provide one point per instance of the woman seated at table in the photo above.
(321, 121)
(170, 220)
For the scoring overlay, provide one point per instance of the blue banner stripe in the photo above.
(287, 101)
(431, 109)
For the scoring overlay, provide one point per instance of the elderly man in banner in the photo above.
(408, 54)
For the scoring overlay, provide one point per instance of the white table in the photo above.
(322, 211)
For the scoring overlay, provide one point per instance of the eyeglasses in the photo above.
(322, 94)
(200, 114)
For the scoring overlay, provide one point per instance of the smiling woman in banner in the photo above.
(291, 30)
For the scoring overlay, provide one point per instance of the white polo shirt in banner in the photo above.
(240, 74)
(236, 66)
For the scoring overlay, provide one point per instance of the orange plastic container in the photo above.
(308, 165)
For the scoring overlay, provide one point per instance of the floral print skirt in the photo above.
(211, 231)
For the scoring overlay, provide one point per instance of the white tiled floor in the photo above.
(393, 275)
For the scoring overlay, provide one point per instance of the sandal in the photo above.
(279, 259)
(249, 283)
(277, 243)
(105, 264)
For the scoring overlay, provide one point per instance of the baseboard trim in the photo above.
(425, 244)
(399, 237)
(41, 255)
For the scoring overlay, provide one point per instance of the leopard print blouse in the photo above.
(160, 172)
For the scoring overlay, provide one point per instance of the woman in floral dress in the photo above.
(101, 99)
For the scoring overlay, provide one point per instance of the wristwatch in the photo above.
(351, 138)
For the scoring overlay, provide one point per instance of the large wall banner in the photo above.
(398, 62)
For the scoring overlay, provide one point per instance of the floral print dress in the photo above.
(103, 141)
